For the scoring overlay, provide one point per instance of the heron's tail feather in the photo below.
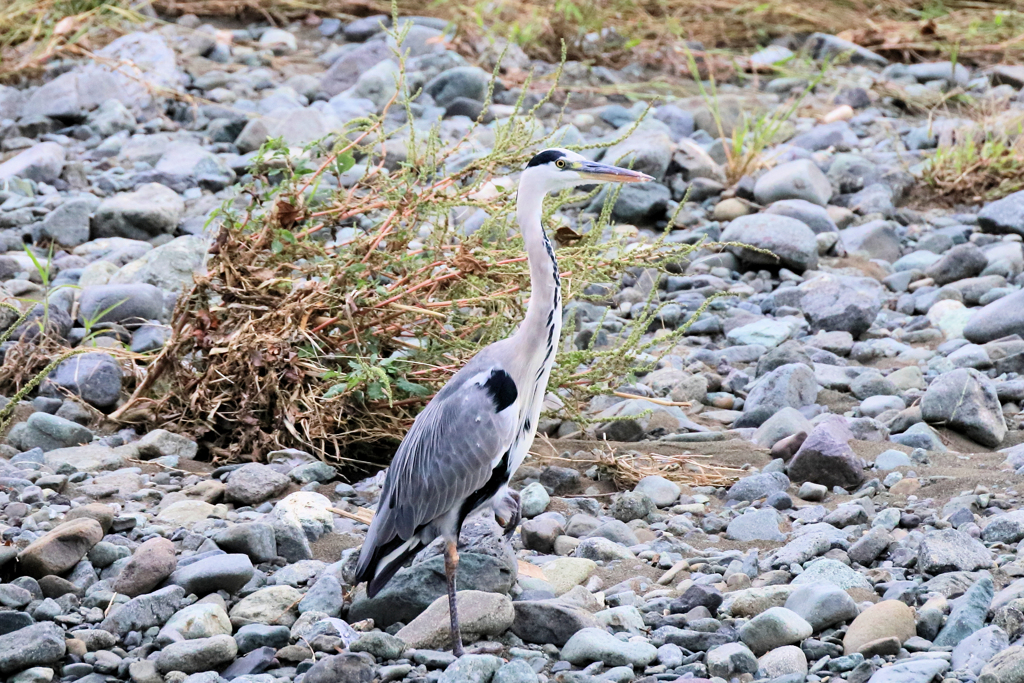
(378, 566)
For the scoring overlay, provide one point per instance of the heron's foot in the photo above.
(507, 512)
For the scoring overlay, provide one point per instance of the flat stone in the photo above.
(597, 645)
(480, 614)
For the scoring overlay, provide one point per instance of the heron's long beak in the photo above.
(591, 170)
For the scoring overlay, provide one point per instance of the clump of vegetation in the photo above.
(340, 294)
(979, 166)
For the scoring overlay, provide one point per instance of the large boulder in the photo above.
(43, 163)
(965, 401)
(789, 242)
(149, 211)
(1001, 318)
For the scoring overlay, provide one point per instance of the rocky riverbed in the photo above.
(864, 388)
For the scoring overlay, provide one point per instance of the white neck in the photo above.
(545, 309)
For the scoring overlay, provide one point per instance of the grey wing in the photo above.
(448, 454)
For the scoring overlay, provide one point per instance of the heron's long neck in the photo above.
(543, 322)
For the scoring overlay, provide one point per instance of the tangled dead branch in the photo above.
(345, 286)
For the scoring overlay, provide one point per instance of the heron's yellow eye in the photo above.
(560, 163)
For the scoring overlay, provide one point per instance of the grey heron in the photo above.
(463, 448)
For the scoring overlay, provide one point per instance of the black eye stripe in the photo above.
(545, 157)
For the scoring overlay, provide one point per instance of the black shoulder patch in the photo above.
(545, 157)
(501, 389)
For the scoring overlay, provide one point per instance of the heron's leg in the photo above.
(451, 565)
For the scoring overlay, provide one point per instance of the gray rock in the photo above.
(757, 486)
(254, 539)
(791, 241)
(965, 401)
(151, 210)
(951, 550)
(198, 654)
(462, 81)
(68, 224)
(822, 605)
(549, 621)
(1005, 667)
(533, 500)
(516, 671)
(631, 505)
(891, 459)
(96, 377)
(648, 150)
(145, 611)
(379, 644)
(413, 589)
(960, 262)
(597, 645)
(42, 163)
(976, 650)
(253, 636)
(836, 135)
(637, 204)
(731, 661)
(109, 118)
(812, 215)
(911, 671)
(825, 570)
(325, 597)
(254, 483)
(789, 386)
(775, 627)
(661, 491)
(378, 84)
(151, 563)
(826, 458)
(870, 546)
(968, 614)
(220, 572)
(357, 667)
(756, 525)
(185, 165)
(800, 179)
(120, 303)
(1004, 216)
(471, 669)
(784, 423)
(170, 266)
(841, 303)
(48, 432)
(35, 645)
(824, 46)
(1001, 318)
(874, 239)
(345, 71)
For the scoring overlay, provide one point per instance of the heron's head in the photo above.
(557, 169)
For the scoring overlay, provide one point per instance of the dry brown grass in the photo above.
(650, 31)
